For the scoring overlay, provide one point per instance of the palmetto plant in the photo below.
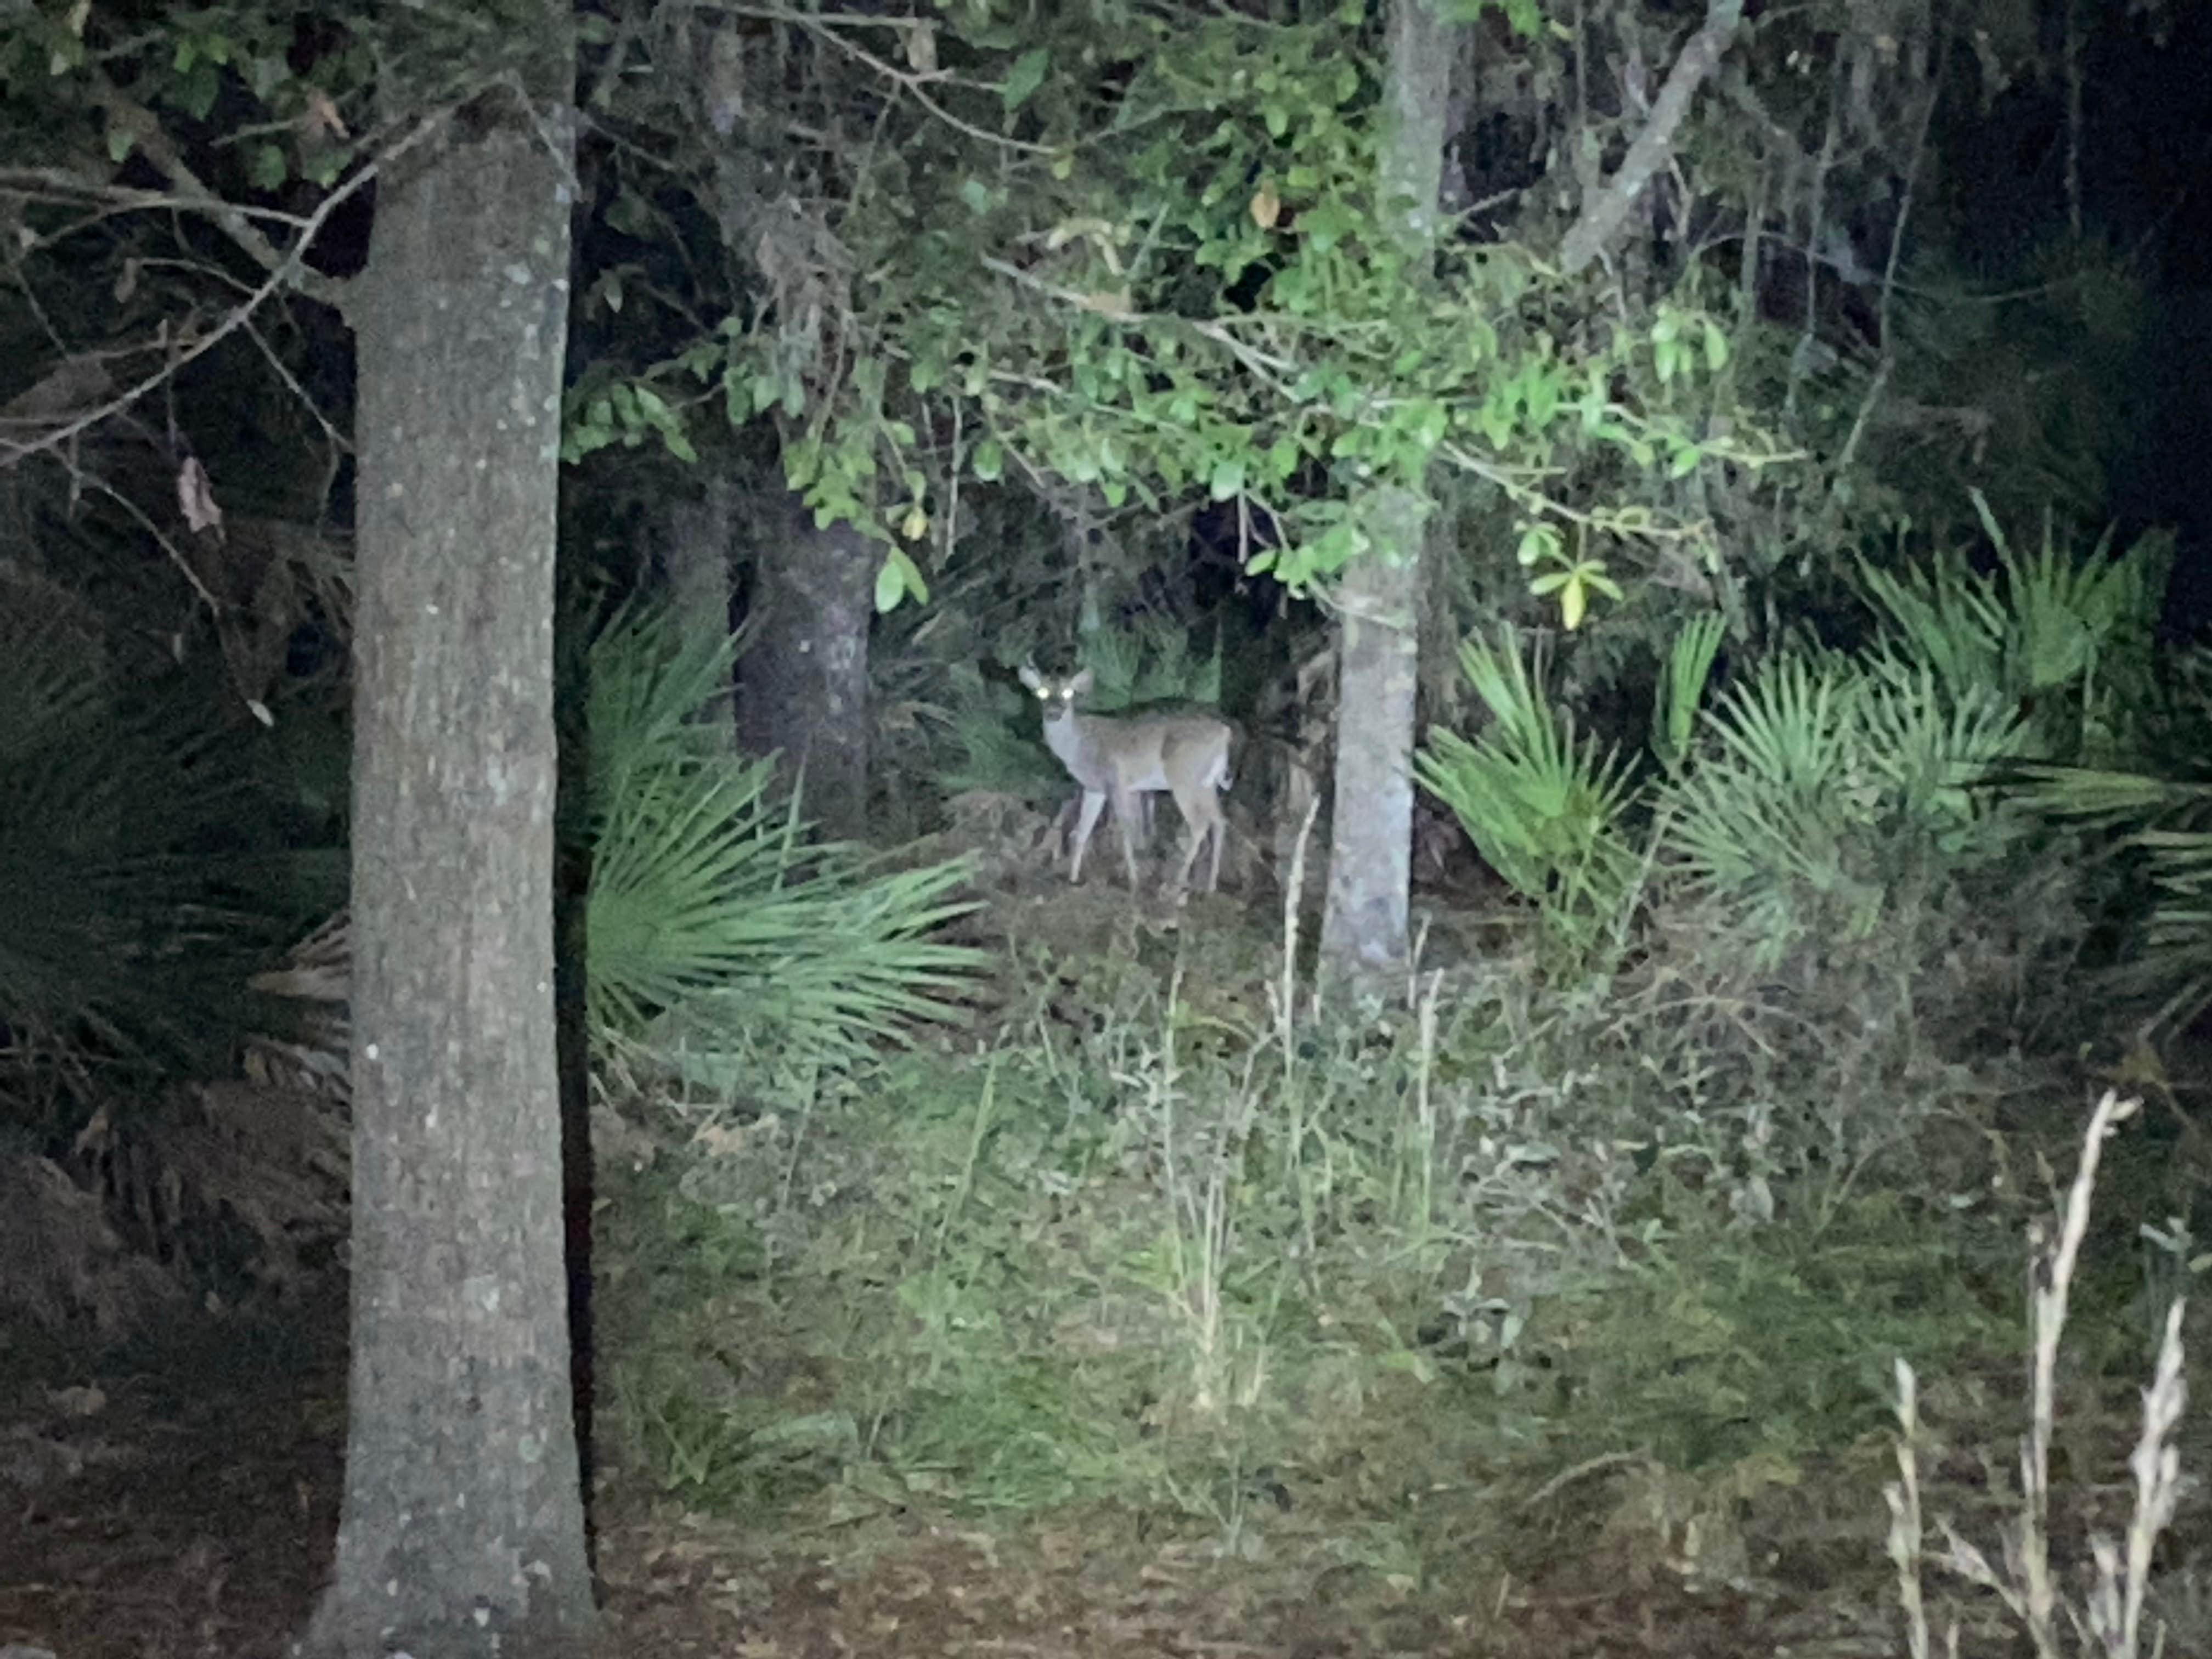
(2067, 637)
(1829, 788)
(133, 896)
(712, 926)
(715, 931)
(1543, 805)
(1149, 662)
(2168, 818)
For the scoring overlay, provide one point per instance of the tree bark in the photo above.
(700, 537)
(462, 1531)
(699, 566)
(803, 680)
(1364, 932)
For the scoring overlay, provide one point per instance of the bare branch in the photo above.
(62, 184)
(281, 278)
(1602, 217)
(915, 82)
(155, 143)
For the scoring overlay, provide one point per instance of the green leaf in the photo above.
(632, 215)
(1025, 78)
(1227, 480)
(990, 460)
(121, 141)
(196, 96)
(266, 166)
(1541, 396)
(1716, 347)
(977, 194)
(1538, 541)
(899, 577)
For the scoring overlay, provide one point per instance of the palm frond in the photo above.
(2067, 633)
(1944, 614)
(712, 923)
(1940, 754)
(1689, 666)
(130, 910)
(1761, 820)
(1544, 806)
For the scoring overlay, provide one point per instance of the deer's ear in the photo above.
(1030, 677)
(1080, 685)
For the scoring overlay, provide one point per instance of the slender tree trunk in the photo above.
(462, 1534)
(1363, 934)
(702, 546)
(701, 535)
(803, 681)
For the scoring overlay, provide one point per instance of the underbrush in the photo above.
(1631, 1265)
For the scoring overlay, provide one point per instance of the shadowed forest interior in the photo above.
(1161, 828)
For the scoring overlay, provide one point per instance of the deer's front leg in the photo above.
(1094, 803)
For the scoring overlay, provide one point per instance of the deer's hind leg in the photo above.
(1201, 815)
(1127, 819)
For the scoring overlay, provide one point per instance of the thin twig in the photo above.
(155, 143)
(277, 280)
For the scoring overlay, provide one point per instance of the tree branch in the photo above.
(155, 143)
(1602, 219)
(284, 275)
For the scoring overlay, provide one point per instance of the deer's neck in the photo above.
(1068, 737)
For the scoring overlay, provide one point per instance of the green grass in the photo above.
(1131, 1257)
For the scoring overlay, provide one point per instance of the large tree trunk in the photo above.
(803, 681)
(463, 1525)
(1363, 935)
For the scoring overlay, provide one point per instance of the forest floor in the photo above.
(177, 1497)
(181, 1501)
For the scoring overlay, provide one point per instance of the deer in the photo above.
(1130, 757)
